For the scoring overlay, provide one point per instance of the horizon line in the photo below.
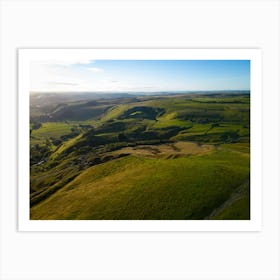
(131, 92)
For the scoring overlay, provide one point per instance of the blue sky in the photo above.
(140, 75)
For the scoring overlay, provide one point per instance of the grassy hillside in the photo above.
(159, 157)
(137, 187)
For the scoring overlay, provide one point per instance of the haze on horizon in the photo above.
(139, 75)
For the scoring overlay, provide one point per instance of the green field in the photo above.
(168, 157)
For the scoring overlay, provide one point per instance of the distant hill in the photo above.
(38, 98)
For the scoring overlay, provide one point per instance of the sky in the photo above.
(139, 75)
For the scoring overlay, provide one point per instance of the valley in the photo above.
(140, 157)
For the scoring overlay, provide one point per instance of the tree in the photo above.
(122, 137)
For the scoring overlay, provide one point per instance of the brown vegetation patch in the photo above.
(167, 150)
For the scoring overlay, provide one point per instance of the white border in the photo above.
(27, 55)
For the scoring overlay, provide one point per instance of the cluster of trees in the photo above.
(34, 126)
(39, 153)
(230, 137)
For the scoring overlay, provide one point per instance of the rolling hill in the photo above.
(178, 157)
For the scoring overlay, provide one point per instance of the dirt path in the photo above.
(236, 195)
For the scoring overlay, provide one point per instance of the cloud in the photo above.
(96, 70)
(63, 83)
(73, 62)
(68, 62)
